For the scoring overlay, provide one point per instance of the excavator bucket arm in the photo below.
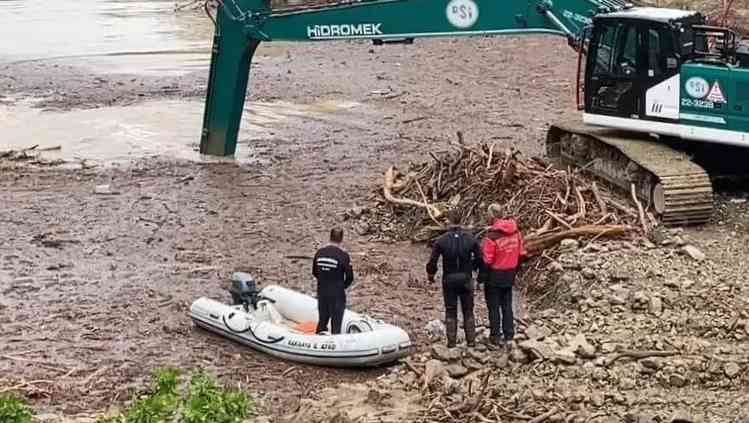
(242, 24)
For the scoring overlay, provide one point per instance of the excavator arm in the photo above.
(242, 24)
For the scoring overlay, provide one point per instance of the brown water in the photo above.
(121, 36)
(167, 128)
(125, 36)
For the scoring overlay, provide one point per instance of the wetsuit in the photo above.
(331, 267)
(461, 255)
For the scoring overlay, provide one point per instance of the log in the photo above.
(387, 191)
(535, 245)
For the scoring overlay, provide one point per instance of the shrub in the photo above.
(14, 410)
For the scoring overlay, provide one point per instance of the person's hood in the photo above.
(502, 227)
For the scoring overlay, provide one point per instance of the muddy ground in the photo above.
(96, 288)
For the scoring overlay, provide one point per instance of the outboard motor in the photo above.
(244, 290)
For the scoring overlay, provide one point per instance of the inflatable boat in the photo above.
(282, 322)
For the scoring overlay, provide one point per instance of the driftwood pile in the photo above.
(549, 204)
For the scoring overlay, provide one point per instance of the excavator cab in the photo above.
(630, 53)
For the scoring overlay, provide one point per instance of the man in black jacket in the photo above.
(331, 267)
(461, 255)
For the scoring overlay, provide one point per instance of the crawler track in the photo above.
(679, 190)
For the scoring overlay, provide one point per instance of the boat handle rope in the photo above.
(249, 329)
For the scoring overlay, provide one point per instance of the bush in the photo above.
(203, 402)
(14, 410)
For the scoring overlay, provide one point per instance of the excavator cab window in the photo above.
(614, 68)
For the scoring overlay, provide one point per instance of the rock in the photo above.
(569, 245)
(652, 363)
(588, 273)
(499, 360)
(617, 299)
(456, 370)
(441, 352)
(518, 356)
(435, 330)
(104, 190)
(731, 369)
(555, 267)
(656, 305)
(682, 416)
(672, 283)
(472, 364)
(677, 380)
(597, 399)
(686, 284)
(362, 228)
(433, 370)
(640, 300)
(608, 347)
(582, 347)
(477, 355)
(564, 356)
(627, 384)
(357, 212)
(619, 276)
(693, 252)
(536, 348)
(536, 332)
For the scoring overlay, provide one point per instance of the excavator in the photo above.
(650, 80)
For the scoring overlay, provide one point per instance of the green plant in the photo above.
(14, 410)
(207, 404)
(203, 402)
(160, 405)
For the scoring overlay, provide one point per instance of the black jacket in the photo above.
(331, 267)
(461, 254)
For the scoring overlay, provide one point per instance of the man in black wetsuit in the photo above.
(461, 255)
(331, 267)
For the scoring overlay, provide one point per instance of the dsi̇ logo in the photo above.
(462, 13)
(697, 87)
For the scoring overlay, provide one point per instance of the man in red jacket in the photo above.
(501, 250)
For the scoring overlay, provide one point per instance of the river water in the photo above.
(123, 36)
(129, 36)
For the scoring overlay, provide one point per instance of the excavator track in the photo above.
(679, 191)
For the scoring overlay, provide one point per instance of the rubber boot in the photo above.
(451, 326)
(470, 328)
(494, 343)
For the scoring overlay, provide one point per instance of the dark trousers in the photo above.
(456, 288)
(330, 308)
(455, 291)
(499, 302)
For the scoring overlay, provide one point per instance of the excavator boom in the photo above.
(242, 24)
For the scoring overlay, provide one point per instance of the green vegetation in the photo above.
(14, 410)
(203, 402)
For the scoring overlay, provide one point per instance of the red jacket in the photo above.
(503, 246)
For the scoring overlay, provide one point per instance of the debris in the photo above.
(582, 347)
(732, 369)
(693, 252)
(470, 178)
(435, 330)
(677, 380)
(656, 305)
(456, 370)
(569, 245)
(104, 190)
(441, 352)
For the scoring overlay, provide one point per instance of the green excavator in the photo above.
(650, 80)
